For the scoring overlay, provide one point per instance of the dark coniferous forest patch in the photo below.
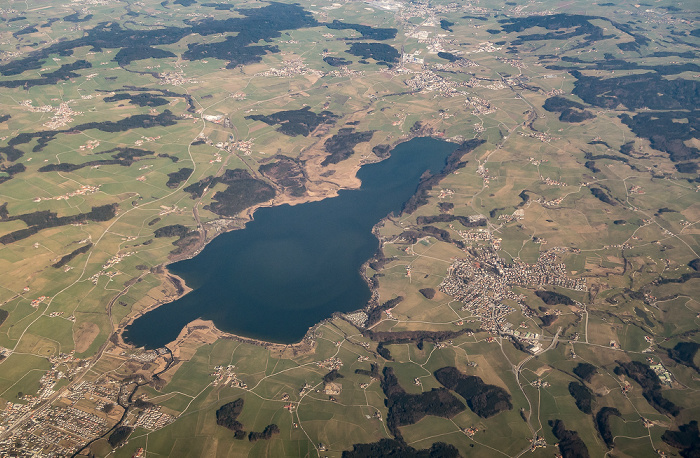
(611, 157)
(686, 438)
(570, 444)
(127, 55)
(562, 26)
(407, 409)
(123, 156)
(174, 230)
(586, 371)
(70, 256)
(164, 119)
(598, 142)
(267, 433)
(197, 188)
(175, 178)
(397, 449)
(380, 52)
(219, 6)
(446, 25)
(602, 196)
(296, 122)
(336, 61)
(583, 396)
(412, 235)
(590, 165)
(666, 135)
(548, 320)
(332, 376)
(485, 400)
(602, 424)
(448, 56)
(162, 92)
(287, 173)
(75, 17)
(25, 31)
(257, 24)
(242, 191)
(417, 337)
(119, 436)
(612, 64)
(446, 206)
(141, 99)
(39, 220)
(341, 145)
(637, 91)
(12, 170)
(569, 111)
(227, 415)
(368, 32)
(651, 385)
(254, 25)
(684, 353)
(682, 279)
(66, 71)
(447, 218)
(552, 298)
(375, 314)
(186, 237)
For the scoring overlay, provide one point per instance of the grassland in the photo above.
(633, 251)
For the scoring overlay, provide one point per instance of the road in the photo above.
(517, 369)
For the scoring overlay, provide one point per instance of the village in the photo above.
(56, 422)
(484, 284)
(451, 77)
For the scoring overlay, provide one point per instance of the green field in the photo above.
(611, 200)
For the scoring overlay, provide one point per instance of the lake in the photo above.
(292, 266)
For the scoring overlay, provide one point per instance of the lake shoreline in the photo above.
(269, 343)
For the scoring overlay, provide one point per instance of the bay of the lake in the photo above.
(292, 266)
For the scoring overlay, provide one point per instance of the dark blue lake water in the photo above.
(293, 266)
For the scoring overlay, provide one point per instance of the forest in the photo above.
(585, 371)
(570, 444)
(582, 395)
(296, 122)
(39, 220)
(380, 52)
(367, 32)
(287, 173)
(552, 298)
(227, 415)
(650, 383)
(341, 145)
(684, 353)
(70, 256)
(407, 409)
(687, 439)
(569, 111)
(254, 25)
(602, 424)
(392, 448)
(123, 156)
(483, 399)
(242, 191)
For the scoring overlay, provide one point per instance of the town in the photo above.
(484, 284)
